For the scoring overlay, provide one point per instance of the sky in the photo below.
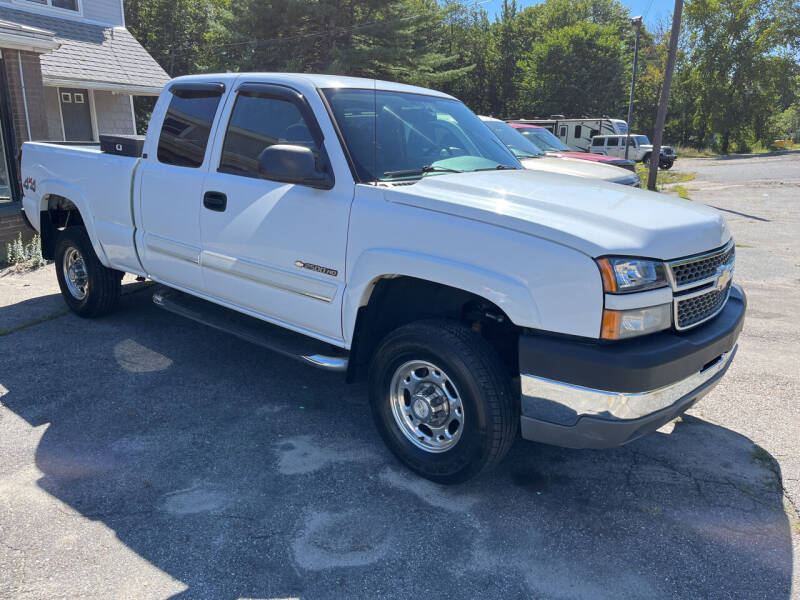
(651, 10)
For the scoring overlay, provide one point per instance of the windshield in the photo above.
(516, 142)
(641, 140)
(543, 139)
(394, 136)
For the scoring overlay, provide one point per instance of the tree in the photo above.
(576, 70)
(739, 57)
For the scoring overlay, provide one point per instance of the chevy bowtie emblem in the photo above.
(724, 278)
(316, 268)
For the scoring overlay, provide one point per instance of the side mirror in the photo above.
(292, 164)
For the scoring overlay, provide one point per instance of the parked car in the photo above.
(577, 134)
(639, 149)
(383, 231)
(551, 145)
(533, 157)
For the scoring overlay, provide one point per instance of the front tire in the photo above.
(89, 289)
(442, 400)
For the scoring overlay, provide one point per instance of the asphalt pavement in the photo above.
(145, 456)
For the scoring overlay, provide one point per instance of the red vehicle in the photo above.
(550, 144)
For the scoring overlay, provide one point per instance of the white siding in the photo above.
(105, 11)
(114, 114)
(52, 111)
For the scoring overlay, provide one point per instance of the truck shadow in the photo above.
(243, 474)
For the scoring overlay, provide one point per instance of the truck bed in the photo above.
(99, 184)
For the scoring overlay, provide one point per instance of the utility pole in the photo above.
(636, 22)
(661, 117)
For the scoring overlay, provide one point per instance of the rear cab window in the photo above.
(187, 125)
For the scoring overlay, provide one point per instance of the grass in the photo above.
(689, 152)
(681, 191)
(666, 178)
(39, 321)
(756, 148)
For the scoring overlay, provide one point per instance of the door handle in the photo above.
(216, 201)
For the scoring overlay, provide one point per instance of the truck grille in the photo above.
(697, 309)
(701, 285)
(688, 271)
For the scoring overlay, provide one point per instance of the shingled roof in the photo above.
(92, 55)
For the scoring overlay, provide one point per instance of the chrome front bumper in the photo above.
(573, 416)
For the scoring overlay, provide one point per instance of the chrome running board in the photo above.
(273, 337)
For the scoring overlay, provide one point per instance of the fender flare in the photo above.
(54, 187)
(512, 296)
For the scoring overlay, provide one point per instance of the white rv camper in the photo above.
(578, 133)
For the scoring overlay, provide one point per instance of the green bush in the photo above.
(29, 255)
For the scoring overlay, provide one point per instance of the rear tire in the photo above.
(89, 289)
(665, 164)
(443, 400)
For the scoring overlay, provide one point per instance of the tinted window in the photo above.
(598, 141)
(187, 125)
(257, 123)
(563, 131)
(577, 131)
(543, 139)
(521, 146)
(613, 141)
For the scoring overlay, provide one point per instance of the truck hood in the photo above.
(592, 216)
(580, 168)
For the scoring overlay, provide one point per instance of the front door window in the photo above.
(77, 114)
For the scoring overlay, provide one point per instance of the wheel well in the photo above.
(59, 214)
(399, 300)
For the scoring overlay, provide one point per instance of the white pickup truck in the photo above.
(382, 230)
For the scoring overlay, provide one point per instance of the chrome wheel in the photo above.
(75, 273)
(426, 406)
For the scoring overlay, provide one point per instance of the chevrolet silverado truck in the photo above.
(384, 231)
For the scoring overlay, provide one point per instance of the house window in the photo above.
(61, 4)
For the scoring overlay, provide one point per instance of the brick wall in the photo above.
(34, 93)
(114, 116)
(11, 224)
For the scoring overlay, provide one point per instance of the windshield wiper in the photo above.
(420, 171)
(498, 168)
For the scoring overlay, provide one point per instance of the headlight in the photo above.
(621, 324)
(623, 275)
